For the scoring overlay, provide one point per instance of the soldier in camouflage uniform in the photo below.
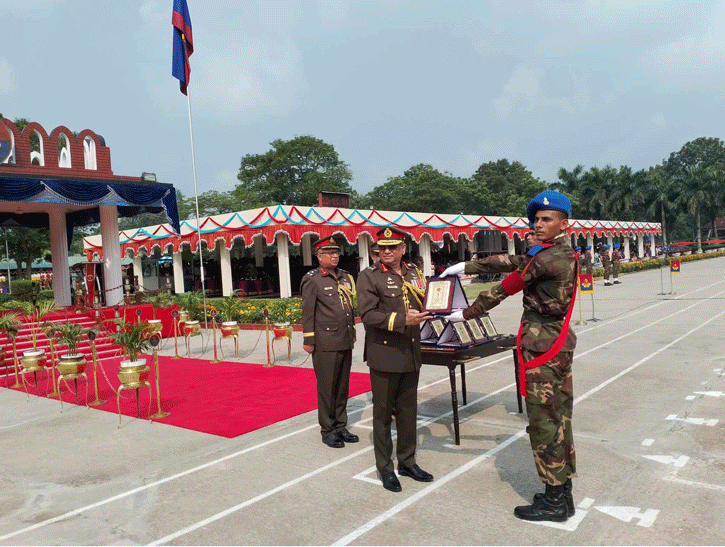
(547, 274)
(587, 265)
(616, 258)
(606, 264)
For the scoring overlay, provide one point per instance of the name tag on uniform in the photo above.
(328, 288)
(392, 286)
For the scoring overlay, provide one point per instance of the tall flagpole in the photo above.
(196, 201)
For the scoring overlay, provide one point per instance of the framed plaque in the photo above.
(463, 335)
(431, 331)
(476, 330)
(455, 334)
(488, 326)
(444, 295)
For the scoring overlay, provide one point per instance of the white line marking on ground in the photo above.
(689, 398)
(453, 474)
(679, 480)
(586, 503)
(648, 442)
(669, 460)
(710, 393)
(569, 525)
(693, 421)
(626, 514)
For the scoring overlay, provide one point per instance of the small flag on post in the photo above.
(674, 266)
(586, 284)
(183, 44)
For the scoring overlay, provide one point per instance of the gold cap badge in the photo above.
(387, 232)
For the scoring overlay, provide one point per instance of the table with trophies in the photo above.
(453, 344)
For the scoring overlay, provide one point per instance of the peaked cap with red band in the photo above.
(391, 236)
(326, 244)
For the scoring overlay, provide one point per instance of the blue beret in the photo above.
(616, 245)
(577, 248)
(548, 201)
(588, 247)
(605, 246)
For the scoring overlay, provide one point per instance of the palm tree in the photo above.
(693, 187)
(660, 195)
(597, 185)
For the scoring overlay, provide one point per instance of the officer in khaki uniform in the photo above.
(616, 259)
(390, 296)
(328, 293)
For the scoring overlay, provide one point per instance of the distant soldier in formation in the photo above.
(616, 258)
(587, 261)
(328, 293)
(606, 264)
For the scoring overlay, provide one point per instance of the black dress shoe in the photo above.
(348, 437)
(333, 440)
(391, 482)
(415, 473)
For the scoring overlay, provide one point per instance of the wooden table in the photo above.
(453, 357)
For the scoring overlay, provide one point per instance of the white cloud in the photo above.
(698, 54)
(658, 120)
(7, 76)
(493, 149)
(154, 13)
(524, 93)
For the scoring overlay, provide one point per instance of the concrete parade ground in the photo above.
(649, 382)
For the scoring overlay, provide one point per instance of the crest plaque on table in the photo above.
(476, 331)
(431, 331)
(456, 334)
(488, 326)
(444, 295)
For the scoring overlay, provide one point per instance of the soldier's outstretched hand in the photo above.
(457, 269)
(455, 316)
(415, 317)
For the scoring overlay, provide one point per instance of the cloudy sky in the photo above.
(389, 83)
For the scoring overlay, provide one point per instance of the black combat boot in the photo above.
(569, 498)
(551, 506)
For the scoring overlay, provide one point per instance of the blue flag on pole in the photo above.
(183, 44)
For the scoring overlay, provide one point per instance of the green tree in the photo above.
(420, 188)
(659, 193)
(293, 172)
(508, 187)
(26, 245)
(697, 167)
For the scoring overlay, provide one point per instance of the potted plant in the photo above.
(133, 338)
(190, 303)
(157, 300)
(10, 324)
(228, 314)
(69, 335)
(35, 314)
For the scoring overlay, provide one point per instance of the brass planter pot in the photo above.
(192, 328)
(71, 363)
(230, 328)
(133, 372)
(155, 326)
(183, 316)
(33, 360)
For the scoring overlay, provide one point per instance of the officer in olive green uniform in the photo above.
(390, 296)
(328, 293)
(547, 275)
(616, 259)
(606, 264)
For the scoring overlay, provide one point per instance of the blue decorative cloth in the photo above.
(548, 201)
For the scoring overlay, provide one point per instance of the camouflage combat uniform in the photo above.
(587, 263)
(615, 263)
(606, 264)
(550, 282)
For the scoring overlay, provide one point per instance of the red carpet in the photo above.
(226, 399)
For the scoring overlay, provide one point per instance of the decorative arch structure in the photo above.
(79, 190)
(283, 224)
